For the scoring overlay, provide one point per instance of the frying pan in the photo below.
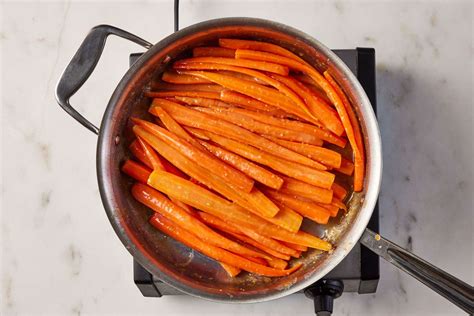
(179, 266)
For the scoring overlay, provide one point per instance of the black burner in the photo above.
(359, 271)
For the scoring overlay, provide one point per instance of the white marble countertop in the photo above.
(59, 254)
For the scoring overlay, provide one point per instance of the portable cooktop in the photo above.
(359, 271)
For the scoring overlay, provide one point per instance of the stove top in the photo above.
(359, 271)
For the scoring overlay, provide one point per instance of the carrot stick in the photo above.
(351, 124)
(262, 128)
(339, 191)
(296, 187)
(209, 103)
(332, 209)
(159, 203)
(323, 155)
(242, 76)
(190, 240)
(318, 132)
(318, 107)
(247, 102)
(295, 246)
(172, 94)
(259, 246)
(138, 152)
(136, 171)
(263, 66)
(213, 52)
(204, 121)
(231, 270)
(200, 157)
(347, 167)
(151, 155)
(174, 77)
(258, 260)
(310, 210)
(164, 86)
(254, 171)
(208, 202)
(312, 176)
(339, 204)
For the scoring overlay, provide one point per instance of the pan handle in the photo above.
(455, 290)
(82, 65)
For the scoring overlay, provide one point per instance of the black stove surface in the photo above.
(359, 271)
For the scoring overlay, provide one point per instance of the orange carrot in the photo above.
(254, 171)
(204, 121)
(136, 171)
(346, 167)
(213, 52)
(351, 124)
(138, 152)
(310, 210)
(257, 260)
(295, 246)
(242, 76)
(339, 191)
(202, 158)
(167, 94)
(296, 187)
(206, 201)
(312, 176)
(332, 209)
(190, 240)
(339, 204)
(159, 203)
(256, 244)
(151, 155)
(323, 155)
(174, 77)
(263, 66)
(247, 102)
(164, 86)
(203, 102)
(262, 128)
(231, 270)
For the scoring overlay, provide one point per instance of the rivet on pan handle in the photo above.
(455, 290)
(83, 64)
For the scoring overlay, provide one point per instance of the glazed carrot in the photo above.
(310, 210)
(136, 171)
(206, 122)
(347, 167)
(254, 171)
(318, 132)
(200, 157)
(295, 187)
(174, 77)
(332, 209)
(213, 52)
(151, 155)
(262, 128)
(209, 103)
(247, 102)
(339, 204)
(190, 240)
(172, 94)
(160, 204)
(312, 176)
(164, 86)
(320, 109)
(295, 246)
(339, 191)
(242, 76)
(323, 155)
(231, 270)
(206, 201)
(138, 152)
(263, 66)
(258, 260)
(353, 132)
(232, 228)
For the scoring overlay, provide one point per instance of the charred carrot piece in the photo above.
(165, 86)
(247, 102)
(208, 103)
(204, 159)
(172, 94)
(312, 176)
(262, 128)
(231, 270)
(206, 122)
(213, 52)
(254, 171)
(174, 77)
(310, 210)
(190, 240)
(347, 167)
(295, 246)
(206, 201)
(151, 155)
(296, 187)
(351, 125)
(159, 203)
(339, 191)
(323, 155)
(263, 66)
(136, 171)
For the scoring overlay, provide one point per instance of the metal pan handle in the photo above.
(455, 290)
(83, 64)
